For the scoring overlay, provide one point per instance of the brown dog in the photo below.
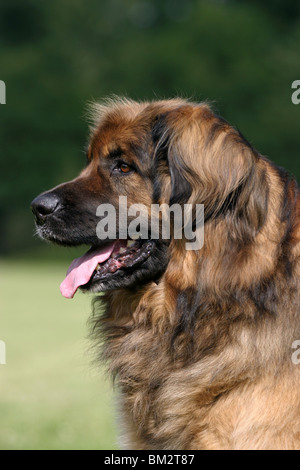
(200, 342)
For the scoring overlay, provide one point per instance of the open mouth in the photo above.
(97, 263)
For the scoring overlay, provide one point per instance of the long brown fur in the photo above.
(202, 357)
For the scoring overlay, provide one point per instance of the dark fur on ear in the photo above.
(211, 163)
(181, 189)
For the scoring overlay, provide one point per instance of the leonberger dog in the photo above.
(199, 342)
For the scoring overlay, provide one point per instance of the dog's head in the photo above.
(166, 152)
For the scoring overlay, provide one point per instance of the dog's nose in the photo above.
(44, 205)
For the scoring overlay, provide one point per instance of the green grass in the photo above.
(51, 397)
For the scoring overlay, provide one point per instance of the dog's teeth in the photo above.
(122, 250)
(98, 267)
(130, 243)
(135, 236)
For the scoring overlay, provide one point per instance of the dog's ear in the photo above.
(162, 135)
(211, 163)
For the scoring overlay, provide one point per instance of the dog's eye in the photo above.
(123, 168)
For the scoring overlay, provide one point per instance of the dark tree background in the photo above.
(55, 56)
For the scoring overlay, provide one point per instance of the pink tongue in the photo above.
(81, 270)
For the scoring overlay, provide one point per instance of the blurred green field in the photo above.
(51, 397)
